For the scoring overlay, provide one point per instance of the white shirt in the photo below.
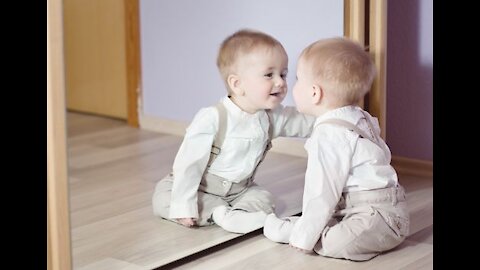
(245, 140)
(339, 160)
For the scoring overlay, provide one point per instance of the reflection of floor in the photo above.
(113, 169)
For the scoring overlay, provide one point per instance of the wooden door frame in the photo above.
(58, 214)
(377, 104)
(132, 48)
(366, 22)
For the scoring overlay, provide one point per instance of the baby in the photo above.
(213, 175)
(353, 206)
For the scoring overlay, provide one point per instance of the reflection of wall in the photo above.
(409, 78)
(180, 39)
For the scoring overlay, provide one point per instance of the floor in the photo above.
(113, 169)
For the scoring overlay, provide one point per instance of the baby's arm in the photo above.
(327, 173)
(288, 122)
(190, 164)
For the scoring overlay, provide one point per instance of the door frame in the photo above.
(365, 21)
(132, 48)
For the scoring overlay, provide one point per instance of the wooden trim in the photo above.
(346, 17)
(354, 20)
(377, 103)
(163, 125)
(49, 246)
(354, 23)
(58, 227)
(289, 146)
(132, 35)
(412, 166)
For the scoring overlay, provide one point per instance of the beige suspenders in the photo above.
(269, 145)
(270, 133)
(355, 129)
(222, 129)
(220, 136)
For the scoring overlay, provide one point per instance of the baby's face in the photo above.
(303, 88)
(263, 76)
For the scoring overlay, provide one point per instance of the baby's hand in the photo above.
(187, 222)
(301, 249)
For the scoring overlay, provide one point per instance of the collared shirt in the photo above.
(339, 160)
(245, 140)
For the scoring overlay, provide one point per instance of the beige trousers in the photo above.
(365, 224)
(215, 191)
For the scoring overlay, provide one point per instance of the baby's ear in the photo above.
(234, 84)
(316, 94)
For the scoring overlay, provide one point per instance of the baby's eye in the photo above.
(269, 75)
(283, 76)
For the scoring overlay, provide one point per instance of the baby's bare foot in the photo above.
(187, 222)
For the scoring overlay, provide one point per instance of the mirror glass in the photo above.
(113, 167)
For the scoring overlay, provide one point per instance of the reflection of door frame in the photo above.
(58, 227)
(132, 48)
(116, 75)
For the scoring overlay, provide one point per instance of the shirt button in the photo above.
(224, 183)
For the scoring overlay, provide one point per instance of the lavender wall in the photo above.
(409, 79)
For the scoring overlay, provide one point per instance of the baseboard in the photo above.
(153, 123)
(412, 166)
(288, 146)
(403, 165)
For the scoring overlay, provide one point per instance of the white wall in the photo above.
(180, 40)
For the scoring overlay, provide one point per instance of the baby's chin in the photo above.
(274, 105)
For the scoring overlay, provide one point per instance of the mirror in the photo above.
(113, 167)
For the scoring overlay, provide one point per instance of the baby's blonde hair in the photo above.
(240, 43)
(342, 66)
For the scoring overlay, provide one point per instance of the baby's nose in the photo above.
(279, 82)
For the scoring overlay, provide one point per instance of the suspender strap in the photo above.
(222, 128)
(220, 136)
(370, 127)
(270, 133)
(353, 128)
(267, 147)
